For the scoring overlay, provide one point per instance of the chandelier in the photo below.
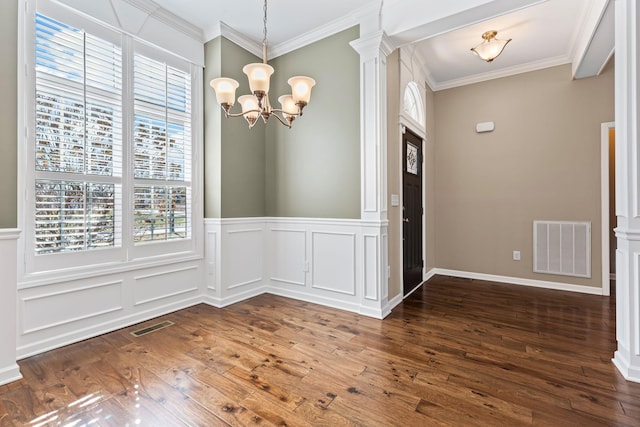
(257, 104)
(490, 47)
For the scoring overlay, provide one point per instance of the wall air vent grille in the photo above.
(562, 248)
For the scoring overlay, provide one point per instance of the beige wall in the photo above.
(313, 169)
(430, 261)
(542, 162)
(8, 113)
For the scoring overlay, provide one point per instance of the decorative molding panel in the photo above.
(288, 256)
(242, 254)
(333, 258)
(49, 310)
(164, 284)
(371, 266)
(211, 259)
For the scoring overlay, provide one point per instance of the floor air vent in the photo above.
(152, 328)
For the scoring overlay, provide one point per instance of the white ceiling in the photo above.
(440, 33)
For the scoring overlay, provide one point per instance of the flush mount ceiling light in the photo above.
(490, 47)
(257, 104)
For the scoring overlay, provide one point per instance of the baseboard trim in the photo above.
(395, 301)
(239, 297)
(414, 289)
(430, 274)
(9, 374)
(315, 299)
(630, 373)
(558, 286)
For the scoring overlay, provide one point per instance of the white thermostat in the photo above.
(485, 127)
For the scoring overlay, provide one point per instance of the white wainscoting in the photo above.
(9, 370)
(62, 311)
(336, 263)
(234, 256)
(332, 262)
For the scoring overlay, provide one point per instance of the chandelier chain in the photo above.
(264, 31)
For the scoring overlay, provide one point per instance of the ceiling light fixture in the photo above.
(490, 47)
(257, 104)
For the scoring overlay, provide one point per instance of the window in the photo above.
(78, 138)
(161, 125)
(109, 168)
(413, 105)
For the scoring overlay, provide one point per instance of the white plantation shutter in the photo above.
(78, 138)
(162, 150)
(109, 163)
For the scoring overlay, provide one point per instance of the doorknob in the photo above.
(405, 219)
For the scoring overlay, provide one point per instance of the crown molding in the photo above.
(349, 20)
(239, 39)
(301, 41)
(506, 72)
(168, 18)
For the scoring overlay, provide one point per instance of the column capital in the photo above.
(373, 45)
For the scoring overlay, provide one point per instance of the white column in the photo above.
(627, 355)
(9, 370)
(373, 49)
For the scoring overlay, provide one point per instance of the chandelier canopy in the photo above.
(257, 104)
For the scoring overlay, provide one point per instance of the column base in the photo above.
(10, 374)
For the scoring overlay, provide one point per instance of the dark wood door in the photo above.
(412, 211)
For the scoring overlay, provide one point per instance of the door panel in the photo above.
(412, 211)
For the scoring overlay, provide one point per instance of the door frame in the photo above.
(604, 192)
(405, 124)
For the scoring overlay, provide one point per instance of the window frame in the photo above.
(126, 255)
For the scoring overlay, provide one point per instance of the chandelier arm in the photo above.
(244, 113)
(282, 121)
(279, 110)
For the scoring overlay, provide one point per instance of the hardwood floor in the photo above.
(457, 352)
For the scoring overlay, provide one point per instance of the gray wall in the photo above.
(8, 113)
(234, 154)
(542, 162)
(313, 169)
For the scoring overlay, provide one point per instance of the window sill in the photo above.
(44, 278)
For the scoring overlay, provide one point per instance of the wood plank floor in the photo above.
(457, 352)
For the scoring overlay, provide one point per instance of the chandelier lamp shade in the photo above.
(257, 104)
(491, 47)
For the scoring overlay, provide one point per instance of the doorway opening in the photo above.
(609, 219)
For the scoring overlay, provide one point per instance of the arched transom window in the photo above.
(413, 105)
